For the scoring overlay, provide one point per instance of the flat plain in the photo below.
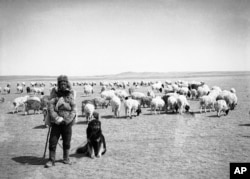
(197, 145)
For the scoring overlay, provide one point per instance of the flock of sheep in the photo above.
(167, 97)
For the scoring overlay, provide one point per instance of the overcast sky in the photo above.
(95, 37)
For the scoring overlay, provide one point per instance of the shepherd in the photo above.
(62, 116)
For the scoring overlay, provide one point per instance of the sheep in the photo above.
(137, 95)
(84, 102)
(2, 99)
(89, 110)
(6, 89)
(116, 105)
(98, 101)
(157, 103)
(193, 94)
(230, 98)
(131, 90)
(87, 89)
(131, 105)
(18, 102)
(183, 91)
(108, 95)
(182, 103)
(121, 94)
(146, 101)
(206, 102)
(172, 103)
(232, 90)
(195, 85)
(19, 89)
(32, 104)
(221, 106)
(157, 86)
(203, 90)
(151, 94)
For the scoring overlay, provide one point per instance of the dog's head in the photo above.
(94, 125)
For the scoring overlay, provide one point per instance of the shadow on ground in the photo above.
(248, 125)
(30, 160)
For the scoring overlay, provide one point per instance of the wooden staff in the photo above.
(44, 155)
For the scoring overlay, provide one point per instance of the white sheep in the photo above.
(157, 103)
(151, 94)
(183, 91)
(89, 110)
(87, 90)
(206, 102)
(19, 102)
(221, 106)
(122, 94)
(131, 105)
(108, 94)
(116, 105)
(182, 104)
(172, 103)
(137, 95)
(6, 89)
(230, 98)
(203, 90)
(19, 89)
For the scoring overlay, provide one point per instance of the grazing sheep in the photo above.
(32, 104)
(6, 89)
(157, 86)
(108, 95)
(232, 90)
(131, 90)
(19, 89)
(172, 103)
(2, 99)
(221, 106)
(84, 102)
(87, 90)
(131, 105)
(183, 91)
(137, 95)
(203, 90)
(193, 94)
(146, 101)
(116, 105)
(89, 110)
(18, 102)
(122, 94)
(151, 94)
(182, 104)
(195, 85)
(157, 103)
(100, 102)
(206, 102)
(230, 98)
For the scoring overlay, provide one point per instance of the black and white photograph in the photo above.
(114, 89)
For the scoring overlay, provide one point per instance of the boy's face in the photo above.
(63, 85)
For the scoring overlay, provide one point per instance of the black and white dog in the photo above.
(96, 145)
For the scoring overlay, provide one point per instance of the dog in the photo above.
(96, 145)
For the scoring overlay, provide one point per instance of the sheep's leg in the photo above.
(218, 113)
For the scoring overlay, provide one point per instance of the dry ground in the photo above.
(148, 146)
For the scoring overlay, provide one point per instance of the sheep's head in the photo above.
(138, 111)
(227, 111)
(187, 107)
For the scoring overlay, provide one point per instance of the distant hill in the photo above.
(130, 75)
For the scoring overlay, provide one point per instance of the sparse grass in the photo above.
(148, 146)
